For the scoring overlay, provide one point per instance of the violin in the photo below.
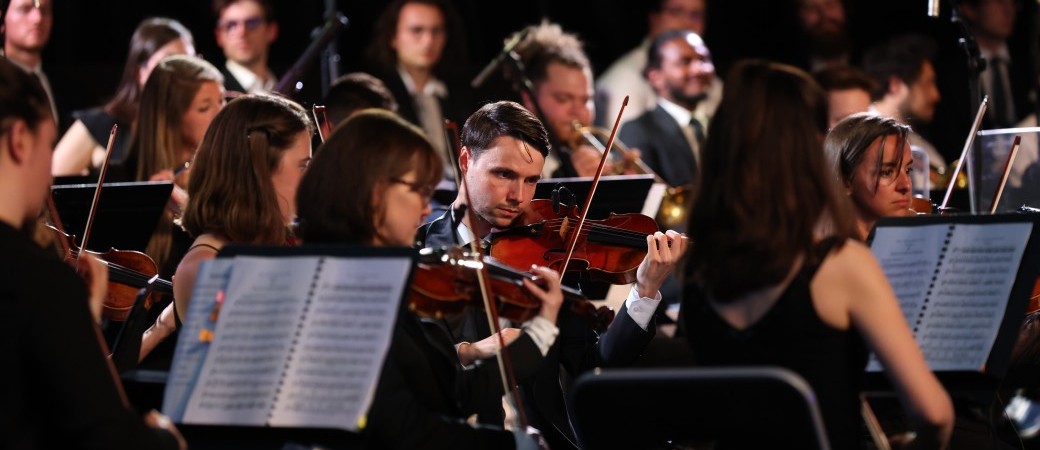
(609, 249)
(445, 284)
(128, 271)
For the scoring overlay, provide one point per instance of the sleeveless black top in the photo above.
(789, 335)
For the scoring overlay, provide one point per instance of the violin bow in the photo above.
(83, 249)
(97, 192)
(322, 121)
(491, 311)
(1007, 172)
(964, 153)
(572, 241)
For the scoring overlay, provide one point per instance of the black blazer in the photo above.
(577, 349)
(231, 84)
(663, 145)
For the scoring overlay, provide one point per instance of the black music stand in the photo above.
(618, 194)
(126, 213)
(749, 407)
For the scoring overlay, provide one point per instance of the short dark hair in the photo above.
(503, 118)
(356, 91)
(21, 97)
(334, 201)
(902, 57)
(653, 53)
(266, 5)
(839, 78)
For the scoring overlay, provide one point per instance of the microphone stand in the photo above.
(524, 85)
(330, 54)
(976, 64)
(289, 83)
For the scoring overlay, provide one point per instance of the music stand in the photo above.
(618, 194)
(126, 213)
(665, 408)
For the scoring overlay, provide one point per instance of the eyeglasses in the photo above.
(251, 24)
(426, 192)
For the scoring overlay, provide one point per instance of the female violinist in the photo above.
(503, 152)
(56, 384)
(83, 145)
(424, 395)
(871, 155)
(180, 99)
(777, 277)
(243, 185)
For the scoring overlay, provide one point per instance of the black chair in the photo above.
(745, 407)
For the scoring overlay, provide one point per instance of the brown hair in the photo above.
(765, 186)
(849, 140)
(230, 186)
(372, 146)
(503, 118)
(167, 95)
(547, 43)
(151, 35)
(383, 57)
(266, 5)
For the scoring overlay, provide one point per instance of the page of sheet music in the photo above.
(190, 352)
(953, 285)
(253, 337)
(908, 256)
(967, 303)
(344, 339)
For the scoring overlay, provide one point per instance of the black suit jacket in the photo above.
(424, 394)
(457, 106)
(577, 349)
(663, 145)
(231, 84)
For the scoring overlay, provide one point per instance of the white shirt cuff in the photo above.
(542, 332)
(641, 309)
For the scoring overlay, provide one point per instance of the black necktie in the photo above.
(698, 132)
(1001, 99)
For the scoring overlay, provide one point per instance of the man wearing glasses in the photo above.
(245, 31)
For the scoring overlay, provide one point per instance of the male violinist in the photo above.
(58, 390)
(503, 151)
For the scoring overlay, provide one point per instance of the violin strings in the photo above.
(609, 231)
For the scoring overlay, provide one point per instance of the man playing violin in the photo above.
(56, 385)
(871, 157)
(503, 152)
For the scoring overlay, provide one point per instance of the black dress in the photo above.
(55, 386)
(789, 335)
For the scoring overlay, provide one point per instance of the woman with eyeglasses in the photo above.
(370, 184)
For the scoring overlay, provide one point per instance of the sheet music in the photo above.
(968, 300)
(190, 352)
(953, 283)
(908, 256)
(253, 337)
(342, 344)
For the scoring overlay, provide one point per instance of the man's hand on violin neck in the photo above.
(664, 250)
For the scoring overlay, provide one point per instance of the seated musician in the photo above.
(503, 149)
(253, 154)
(871, 155)
(423, 395)
(57, 387)
(777, 276)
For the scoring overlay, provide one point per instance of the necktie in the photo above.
(698, 132)
(1001, 100)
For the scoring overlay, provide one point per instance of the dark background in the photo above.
(89, 43)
